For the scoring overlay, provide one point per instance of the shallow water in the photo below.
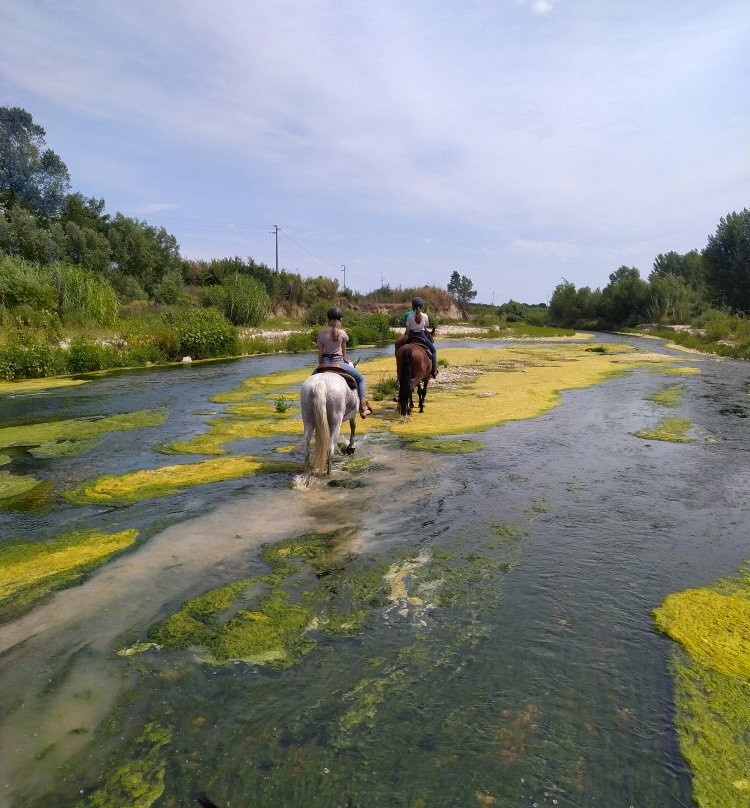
(540, 680)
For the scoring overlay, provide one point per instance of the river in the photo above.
(511, 659)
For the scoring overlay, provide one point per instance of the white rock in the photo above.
(186, 360)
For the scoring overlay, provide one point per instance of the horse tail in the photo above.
(322, 430)
(404, 381)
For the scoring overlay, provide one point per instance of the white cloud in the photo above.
(154, 207)
(541, 7)
(547, 249)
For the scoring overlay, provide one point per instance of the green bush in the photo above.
(85, 295)
(299, 343)
(246, 302)
(87, 356)
(317, 313)
(21, 360)
(126, 287)
(202, 333)
(169, 291)
(213, 295)
(368, 329)
(23, 284)
(385, 389)
(143, 355)
(257, 345)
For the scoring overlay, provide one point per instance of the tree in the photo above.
(29, 172)
(625, 299)
(727, 261)
(145, 252)
(462, 289)
(689, 267)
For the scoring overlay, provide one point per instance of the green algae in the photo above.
(5, 459)
(256, 620)
(35, 385)
(261, 385)
(356, 465)
(670, 396)
(139, 782)
(447, 446)
(33, 499)
(671, 429)
(64, 448)
(678, 370)
(73, 436)
(31, 570)
(346, 483)
(169, 480)
(225, 430)
(12, 485)
(712, 690)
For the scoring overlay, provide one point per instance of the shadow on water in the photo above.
(518, 666)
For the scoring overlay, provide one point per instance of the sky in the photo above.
(518, 142)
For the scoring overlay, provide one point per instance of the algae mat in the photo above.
(75, 435)
(37, 385)
(712, 624)
(481, 388)
(497, 385)
(30, 570)
(166, 480)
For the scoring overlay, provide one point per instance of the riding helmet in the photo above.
(334, 313)
(417, 303)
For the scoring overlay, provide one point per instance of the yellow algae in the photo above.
(684, 348)
(286, 449)
(713, 628)
(34, 385)
(259, 385)
(166, 480)
(396, 577)
(80, 431)
(261, 408)
(4, 459)
(677, 370)
(495, 394)
(712, 691)
(225, 430)
(670, 396)
(671, 429)
(29, 570)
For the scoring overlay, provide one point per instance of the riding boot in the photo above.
(434, 372)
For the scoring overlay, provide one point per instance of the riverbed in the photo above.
(477, 625)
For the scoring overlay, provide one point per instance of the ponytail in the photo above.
(417, 315)
(335, 326)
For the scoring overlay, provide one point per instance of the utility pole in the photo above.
(343, 269)
(493, 298)
(275, 232)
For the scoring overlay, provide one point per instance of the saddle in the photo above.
(347, 377)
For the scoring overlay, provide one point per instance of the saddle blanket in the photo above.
(348, 378)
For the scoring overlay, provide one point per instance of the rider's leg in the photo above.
(364, 407)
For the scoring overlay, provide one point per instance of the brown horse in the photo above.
(413, 368)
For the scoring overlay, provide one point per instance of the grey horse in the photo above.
(327, 401)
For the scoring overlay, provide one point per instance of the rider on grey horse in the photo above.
(332, 350)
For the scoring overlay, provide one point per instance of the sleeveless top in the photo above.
(329, 345)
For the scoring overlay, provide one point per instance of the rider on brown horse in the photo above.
(417, 325)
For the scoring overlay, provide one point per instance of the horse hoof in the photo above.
(349, 450)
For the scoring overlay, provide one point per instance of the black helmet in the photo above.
(334, 313)
(417, 303)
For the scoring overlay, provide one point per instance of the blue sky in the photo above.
(516, 141)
